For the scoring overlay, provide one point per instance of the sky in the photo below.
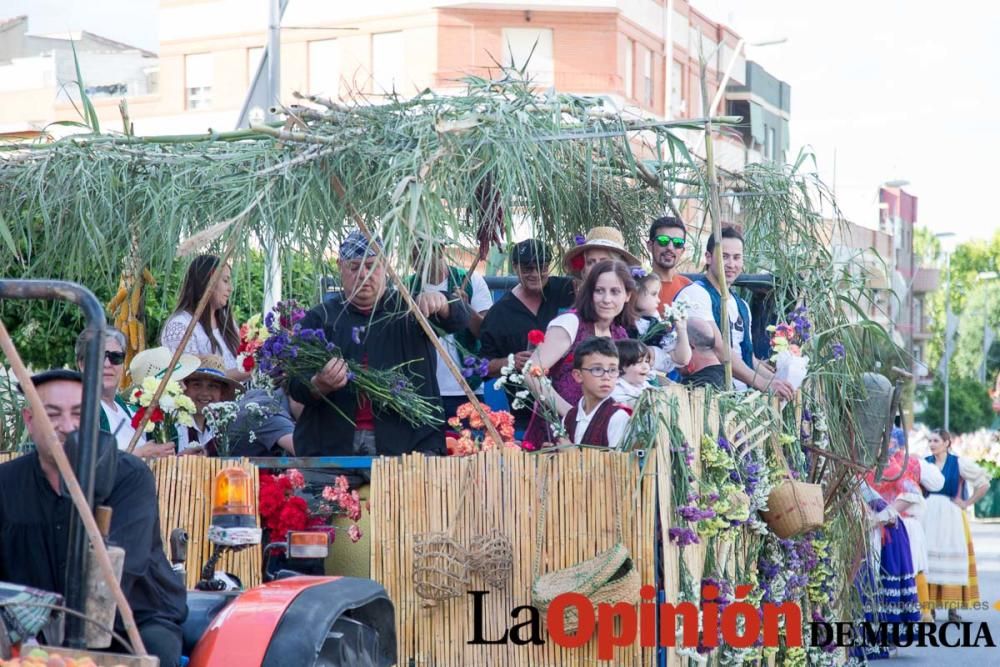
(888, 90)
(882, 90)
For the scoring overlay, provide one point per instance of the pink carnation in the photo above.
(354, 532)
(296, 478)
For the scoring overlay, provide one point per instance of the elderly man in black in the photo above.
(531, 305)
(372, 325)
(35, 515)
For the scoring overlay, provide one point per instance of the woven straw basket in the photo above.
(794, 508)
(607, 578)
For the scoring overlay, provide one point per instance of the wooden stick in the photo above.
(338, 187)
(49, 444)
(202, 303)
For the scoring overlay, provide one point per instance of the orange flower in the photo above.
(455, 422)
(537, 371)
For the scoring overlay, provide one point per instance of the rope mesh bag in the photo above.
(440, 562)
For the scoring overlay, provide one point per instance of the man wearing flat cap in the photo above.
(373, 326)
(531, 305)
(35, 515)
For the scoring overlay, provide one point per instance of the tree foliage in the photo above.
(970, 405)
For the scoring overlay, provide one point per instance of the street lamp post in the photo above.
(947, 331)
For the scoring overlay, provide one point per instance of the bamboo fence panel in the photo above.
(499, 490)
(184, 486)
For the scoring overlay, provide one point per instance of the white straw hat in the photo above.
(154, 361)
(600, 238)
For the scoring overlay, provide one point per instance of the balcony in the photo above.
(926, 280)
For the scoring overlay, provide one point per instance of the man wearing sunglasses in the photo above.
(667, 238)
(116, 414)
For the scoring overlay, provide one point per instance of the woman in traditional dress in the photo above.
(602, 309)
(951, 572)
(891, 595)
(905, 496)
(216, 332)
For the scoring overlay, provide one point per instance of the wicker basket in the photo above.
(794, 508)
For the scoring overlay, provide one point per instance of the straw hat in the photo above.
(600, 238)
(154, 361)
(213, 368)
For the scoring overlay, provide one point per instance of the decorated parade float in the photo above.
(711, 492)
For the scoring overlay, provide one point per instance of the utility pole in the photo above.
(947, 342)
(947, 330)
(272, 253)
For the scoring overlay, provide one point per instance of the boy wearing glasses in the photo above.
(596, 419)
(667, 238)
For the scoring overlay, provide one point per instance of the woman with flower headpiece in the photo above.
(951, 572)
(602, 309)
(901, 484)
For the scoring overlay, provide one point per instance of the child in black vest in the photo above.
(596, 419)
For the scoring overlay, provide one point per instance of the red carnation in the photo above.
(157, 416)
(536, 337)
(248, 363)
(577, 263)
(137, 418)
(569, 358)
(294, 515)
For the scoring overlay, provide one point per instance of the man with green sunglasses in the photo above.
(667, 239)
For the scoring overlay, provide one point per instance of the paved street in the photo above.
(986, 538)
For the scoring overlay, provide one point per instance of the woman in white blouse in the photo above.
(216, 332)
(951, 572)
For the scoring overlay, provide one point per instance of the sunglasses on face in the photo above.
(663, 241)
(115, 358)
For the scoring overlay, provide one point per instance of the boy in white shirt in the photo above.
(596, 419)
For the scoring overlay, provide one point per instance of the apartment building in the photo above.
(912, 283)
(38, 74)
(618, 49)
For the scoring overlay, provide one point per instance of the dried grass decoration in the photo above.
(492, 557)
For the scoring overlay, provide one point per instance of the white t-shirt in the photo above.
(120, 424)
(569, 322)
(616, 425)
(699, 305)
(199, 343)
(481, 301)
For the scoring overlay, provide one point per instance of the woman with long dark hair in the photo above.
(602, 308)
(216, 332)
(951, 572)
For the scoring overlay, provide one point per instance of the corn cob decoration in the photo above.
(127, 310)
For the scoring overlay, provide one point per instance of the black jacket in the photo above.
(34, 537)
(390, 336)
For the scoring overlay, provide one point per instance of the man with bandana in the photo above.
(373, 326)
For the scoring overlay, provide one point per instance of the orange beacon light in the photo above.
(234, 521)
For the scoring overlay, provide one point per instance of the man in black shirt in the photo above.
(531, 305)
(373, 326)
(35, 515)
(705, 367)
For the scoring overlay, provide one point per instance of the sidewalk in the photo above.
(986, 540)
